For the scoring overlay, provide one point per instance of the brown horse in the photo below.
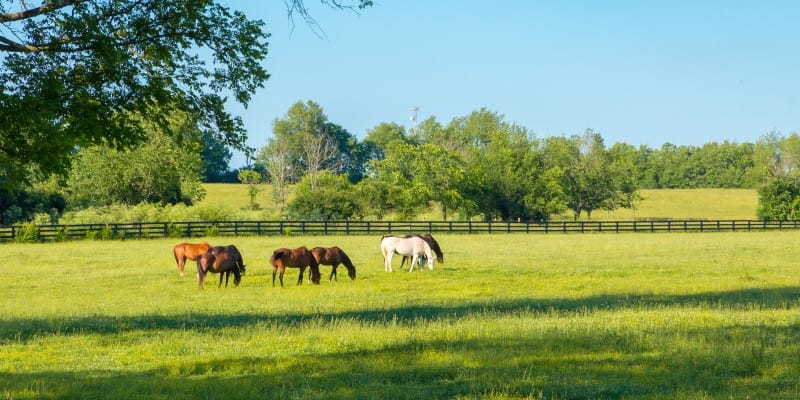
(434, 245)
(222, 260)
(334, 256)
(188, 250)
(300, 258)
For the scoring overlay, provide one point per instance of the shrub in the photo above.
(26, 232)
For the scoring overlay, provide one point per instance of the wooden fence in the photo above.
(261, 228)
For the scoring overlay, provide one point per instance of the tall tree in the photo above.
(276, 159)
(77, 73)
(216, 159)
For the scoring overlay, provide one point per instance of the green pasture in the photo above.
(654, 203)
(594, 316)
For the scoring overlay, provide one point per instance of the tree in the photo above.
(779, 199)
(378, 138)
(216, 159)
(251, 179)
(275, 158)
(78, 73)
(156, 171)
(332, 198)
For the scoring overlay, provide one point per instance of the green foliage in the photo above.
(156, 171)
(79, 74)
(252, 179)
(332, 199)
(779, 199)
(25, 205)
(26, 232)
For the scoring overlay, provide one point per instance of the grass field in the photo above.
(666, 203)
(615, 316)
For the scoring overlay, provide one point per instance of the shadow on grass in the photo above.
(550, 365)
(25, 329)
(728, 361)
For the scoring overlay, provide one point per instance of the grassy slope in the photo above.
(657, 316)
(671, 203)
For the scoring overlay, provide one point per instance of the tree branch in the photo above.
(46, 7)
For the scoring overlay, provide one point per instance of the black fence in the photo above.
(141, 230)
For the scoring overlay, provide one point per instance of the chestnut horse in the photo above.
(221, 260)
(428, 238)
(188, 250)
(300, 257)
(334, 256)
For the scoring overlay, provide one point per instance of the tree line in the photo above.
(478, 166)
(482, 166)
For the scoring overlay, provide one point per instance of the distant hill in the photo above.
(655, 203)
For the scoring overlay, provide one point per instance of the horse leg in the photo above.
(414, 259)
(201, 276)
(181, 264)
(226, 278)
(300, 277)
(333, 273)
(283, 269)
(387, 262)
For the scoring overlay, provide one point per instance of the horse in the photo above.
(222, 260)
(188, 250)
(432, 243)
(300, 257)
(413, 246)
(334, 256)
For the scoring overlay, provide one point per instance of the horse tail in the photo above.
(276, 255)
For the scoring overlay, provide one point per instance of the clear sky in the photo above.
(639, 72)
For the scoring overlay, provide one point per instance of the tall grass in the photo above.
(656, 316)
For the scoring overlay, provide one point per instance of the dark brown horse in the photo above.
(188, 250)
(334, 256)
(222, 260)
(434, 245)
(300, 258)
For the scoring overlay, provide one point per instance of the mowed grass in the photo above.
(614, 316)
(655, 203)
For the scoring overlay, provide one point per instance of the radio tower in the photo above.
(414, 118)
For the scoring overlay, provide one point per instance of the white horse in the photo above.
(405, 246)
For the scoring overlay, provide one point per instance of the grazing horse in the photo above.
(434, 247)
(300, 258)
(334, 256)
(412, 246)
(188, 250)
(222, 260)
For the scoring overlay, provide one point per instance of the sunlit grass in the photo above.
(658, 316)
(656, 203)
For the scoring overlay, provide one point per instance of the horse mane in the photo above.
(432, 243)
(346, 260)
(434, 246)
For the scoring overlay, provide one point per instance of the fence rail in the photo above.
(265, 228)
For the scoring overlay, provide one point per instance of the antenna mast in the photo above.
(414, 117)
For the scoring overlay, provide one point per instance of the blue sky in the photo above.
(639, 72)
